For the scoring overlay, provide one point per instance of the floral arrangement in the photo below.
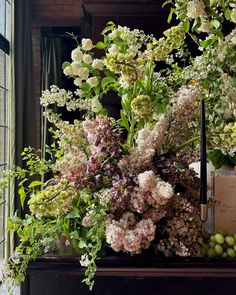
(126, 183)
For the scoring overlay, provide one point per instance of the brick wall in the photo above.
(57, 12)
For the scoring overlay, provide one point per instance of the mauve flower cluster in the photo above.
(104, 140)
(183, 109)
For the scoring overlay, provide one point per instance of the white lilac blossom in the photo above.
(96, 105)
(77, 55)
(92, 81)
(55, 96)
(78, 82)
(68, 71)
(195, 9)
(87, 44)
(87, 58)
(98, 64)
(83, 73)
(76, 67)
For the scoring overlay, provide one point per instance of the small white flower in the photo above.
(92, 81)
(87, 44)
(96, 106)
(76, 66)
(233, 15)
(84, 261)
(77, 55)
(83, 73)
(113, 49)
(195, 9)
(78, 82)
(68, 71)
(87, 58)
(205, 26)
(98, 64)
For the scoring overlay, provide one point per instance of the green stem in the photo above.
(131, 133)
(184, 144)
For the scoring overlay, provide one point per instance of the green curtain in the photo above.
(25, 105)
(51, 74)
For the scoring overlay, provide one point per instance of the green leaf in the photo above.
(100, 45)
(106, 81)
(35, 183)
(217, 158)
(215, 23)
(82, 244)
(86, 87)
(186, 26)
(196, 24)
(22, 194)
(208, 41)
(97, 90)
(172, 10)
(166, 2)
(124, 120)
(227, 14)
(65, 64)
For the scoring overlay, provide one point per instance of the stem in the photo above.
(131, 132)
(184, 144)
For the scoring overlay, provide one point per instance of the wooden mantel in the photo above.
(132, 275)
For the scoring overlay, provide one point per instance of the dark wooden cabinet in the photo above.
(132, 275)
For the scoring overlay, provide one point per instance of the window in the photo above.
(4, 96)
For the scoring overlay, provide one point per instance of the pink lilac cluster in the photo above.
(130, 235)
(103, 138)
(148, 143)
(183, 109)
(132, 225)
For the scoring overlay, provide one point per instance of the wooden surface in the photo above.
(132, 275)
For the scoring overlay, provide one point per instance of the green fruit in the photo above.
(223, 232)
(212, 245)
(211, 252)
(219, 238)
(230, 240)
(205, 248)
(225, 246)
(212, 238)
(224, 255)
(231, 252)
(219, 249)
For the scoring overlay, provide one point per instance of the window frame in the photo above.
(5, 49)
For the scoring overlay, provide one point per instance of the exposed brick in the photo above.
(54, 7)
(62, 13)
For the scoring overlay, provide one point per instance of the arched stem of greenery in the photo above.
(184, 144)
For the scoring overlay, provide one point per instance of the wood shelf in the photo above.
(57, 275)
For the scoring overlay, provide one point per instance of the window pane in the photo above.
(3, 93)
(1, 223)
(1, 251)
(2, 145)
(8, 17)
(2, 168)
(2, 17)
(7, 58)
(2, 68)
